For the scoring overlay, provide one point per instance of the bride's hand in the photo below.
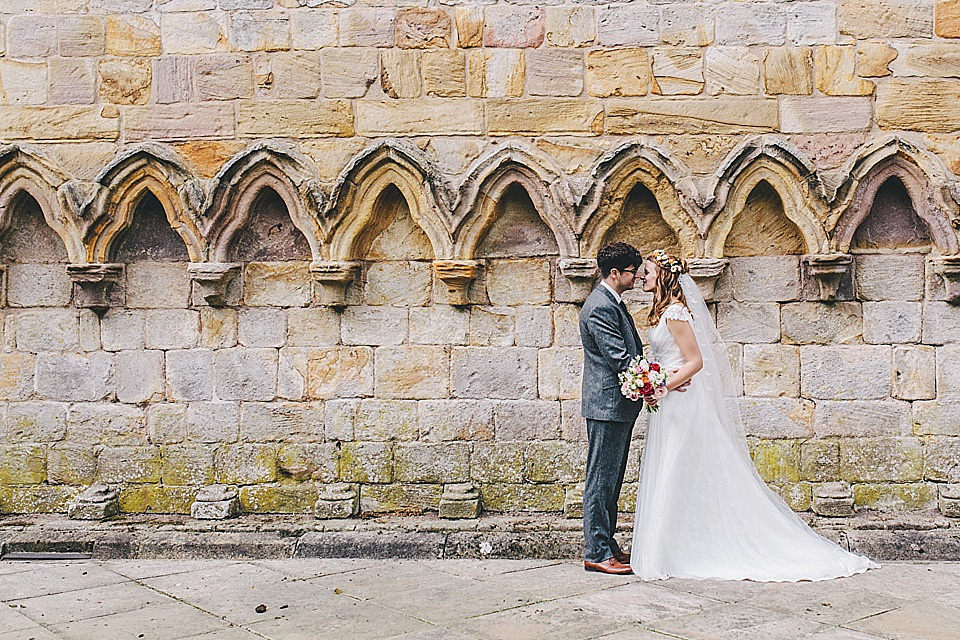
(682, 387)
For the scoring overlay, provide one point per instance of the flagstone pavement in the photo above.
(457, 600)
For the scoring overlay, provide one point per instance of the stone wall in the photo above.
(283, 244)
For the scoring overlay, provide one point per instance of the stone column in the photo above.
(833, 499)
(337, 500)
(97, 502)
(216, 502)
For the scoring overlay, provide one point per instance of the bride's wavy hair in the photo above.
(667, 287)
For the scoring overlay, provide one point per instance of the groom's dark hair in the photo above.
(619, 256)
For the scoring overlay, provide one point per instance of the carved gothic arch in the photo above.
(614, 178)
(123, 183)
(794, 178)
(929, 184)
(355, 205)
(24, 171)
(269, 164)
(492, 176)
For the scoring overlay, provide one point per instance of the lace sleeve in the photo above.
(677, 312)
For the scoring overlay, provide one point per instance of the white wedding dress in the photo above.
(702, 509)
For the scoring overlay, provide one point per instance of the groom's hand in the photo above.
(682, 387)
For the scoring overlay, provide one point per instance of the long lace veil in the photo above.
(716, 375)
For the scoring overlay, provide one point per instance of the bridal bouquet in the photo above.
(644, 379)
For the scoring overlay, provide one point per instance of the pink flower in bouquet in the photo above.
(644, 380)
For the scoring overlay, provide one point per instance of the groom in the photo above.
(610, 341)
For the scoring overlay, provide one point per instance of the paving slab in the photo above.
(55, 577)
(640, 602)
(173, 621)
(926, 620)
(738, 622)
(94, 602)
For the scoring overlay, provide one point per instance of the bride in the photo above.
(702, 509)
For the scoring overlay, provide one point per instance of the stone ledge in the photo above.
(914, 536)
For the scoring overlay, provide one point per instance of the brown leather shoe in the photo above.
(610, 565)
(621, 556)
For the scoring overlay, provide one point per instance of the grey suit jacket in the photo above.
(610, 341)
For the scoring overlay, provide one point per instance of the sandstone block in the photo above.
(82, 36)
(157, 284)
(387, 498)
(439, 324)
(757, 322)
(262, 327)
(765, 278)
(374, 325)
(46, 330)
(554, 72)
(812, 23)
(936, 417)
(517, 27)
(133, 35)
(293, 118)
(187, 465)
(777, 461)
(914, 370)
(527, 420)
(75, 377)
(246, 374)
(874, 58)
(555, 462)
(157, 499)
(846, 418)
(686, 25)
(171, 328)
(302, 422)
(886, 277)
(677, 71)
(313, 29)
(170, 6)
(366, 462)
(570, 26)
(733, 70)
(751, 24)
(22, 464)
(437, 463)
(912, 496)
(400, 73)
(166, 423)
(276, 284)
(492, 326)
(947, 19)
(932, 61)
(128, 464)
(412, 372)
(833, 500)
(788, 70)
(382, 420)
(34, 422)
(223, 77)
(278, 498)
(490, 372)
(71, 464)
(139, 376)
(213, 422)
(58, 123)
(566, 325)
(883, 459)
(309, 461)
(31, 36)
(444, 420)
(497, 462)
(193, 33)
(948, 375)
(418, 28)
(691, 115)
(517, 282)
(125, 81)
(312, 326)
(523, 497)
(24, 83)
(892, 322)
(923, 105)
(340, 418)
(179, 121)
(819, 323)
(107, 423)
(865, 19)
(534, 326)
(260, 31)
(229, 5)
(444, 74)
(628, 26)
(188, 374)
(942, 459)
(173, 79)
(340, 372)
(460, 501)
(469, 21)
(845, 373)
(16, 375)
(820, 460)
(573, 426)
(496, 73)
(777, 417)
(405, 283)
(941, 323)
(293, 373)
(825, 115)
(771, 370)
(348, 73)
(245, 464)
(836, 72)
(560, 372)
(618, 72)
(409, 117)
(367, 27)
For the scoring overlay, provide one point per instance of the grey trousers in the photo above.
(608, 444)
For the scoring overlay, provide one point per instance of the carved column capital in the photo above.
(829, 271)
(93, 284)
(213, 278)
(705, 272)
(948, 267)
(457, 275)
(331, 278)
(581, 274)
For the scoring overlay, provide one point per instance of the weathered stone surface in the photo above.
(399, 284)
(516, 282)
(777, 417)
(71, 464)
(522, 497)
(534, 327)
(348, 73)
(133, 35)
(518, 27)
(469, 21)
(941, 459)
(439, 324)
(836, 72)
(128, 464)
(260, 31)
(82, 36)
(492, 326)
(553, 72)
(187, 465)
(367, 28)
(309, 461)
(864, 19)
(46, 330)
(213, 422)
(412, 372)
(923, 105)
(845, 373)
(166, 423)
(223, 77)
(262, 327)
(819, 323)
(788, 71)
(381, 420)
(313, 29)
(267, 422)
(948, 376)
(936, 417)
(496, 73)
(812, 23)
(486, 372)
(932, 61)
(751, 24)
(455, 117)
(874, 58)
(421, 462)
(22, 464)
(31, 36)
(497, 462)
(765, 278)
(75, 377)
(941, 323)
(106, 423)
(892, 322)
(172, 79)
(245, 464)
(423, 28)
(771, 370)
(366, 462)
(686, 25)
(628, 26)
(125, 81)
(340, 419)
(340, 372)
(734, 70)
(618, 72)
(276, 284)
(444, 74)
(824, 115)
(444, 420)
(777, 461)
(295, 118)
(527, 420)
(374, 325)
(751, 322)
(947, 19)
(23, 83)
(913, 372)
(312, 327)
(38, 285)
(692, 115)
(188, 374)
(875, 459)
(555, 462)
(246, 374)
(890, 277)
(293, 373)
(560, 370)
(58, 123)
(140, 376)
(176, 121)
(570, 26)
(677, 71)
(171, 328)
(193, 33)
(820, 460)
(846, 418)
(34, 422)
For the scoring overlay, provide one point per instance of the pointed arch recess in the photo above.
(266, 165)
(23, 171)
(355, 203)
(926, 180)
(491, 177)
(614, 179)
(121, 185)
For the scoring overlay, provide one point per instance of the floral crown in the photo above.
(665, 261)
